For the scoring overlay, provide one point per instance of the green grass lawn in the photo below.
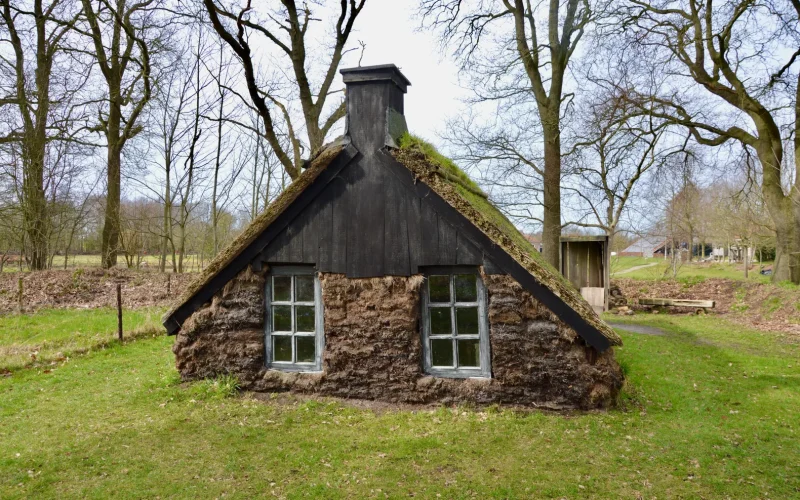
(710, 411)
(51, 334)
(689, 271)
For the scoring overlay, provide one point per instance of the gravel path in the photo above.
(634, 268)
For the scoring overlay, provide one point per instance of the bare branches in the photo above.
(501, 47)
(289, 35)
(728, 53)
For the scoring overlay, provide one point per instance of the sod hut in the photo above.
(383, 272)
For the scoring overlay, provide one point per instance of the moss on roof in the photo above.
(260, 223)
(460, 192)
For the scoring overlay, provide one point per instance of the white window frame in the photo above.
(484, 370)
(319, 330)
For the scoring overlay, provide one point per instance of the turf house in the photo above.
(383, 272)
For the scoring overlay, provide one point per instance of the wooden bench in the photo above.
(700, 306)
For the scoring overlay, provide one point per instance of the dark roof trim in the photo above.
(500, 257)
(237, 264)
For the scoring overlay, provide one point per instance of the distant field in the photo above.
(658, 268)
(191, 262)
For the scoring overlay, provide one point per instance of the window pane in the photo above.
(304, 288)
(466, 288)
(304, 319)
(441, 323)
(469, 353)
(305, 349)
(467, 320)
(281, 318)
(282, 348)
(282, 288)
(439, 287)
(442, 352)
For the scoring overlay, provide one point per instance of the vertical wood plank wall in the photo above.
(367, 223)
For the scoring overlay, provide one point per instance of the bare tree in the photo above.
(740, 93)
(615, 149)
(533, 46)
(118, 30)
(286, 30)
(37, 34)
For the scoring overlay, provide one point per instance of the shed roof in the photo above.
(445, 179)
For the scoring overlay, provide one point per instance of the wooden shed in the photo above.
(585, 262)
(384, 272)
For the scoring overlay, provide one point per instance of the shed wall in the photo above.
(373, 347)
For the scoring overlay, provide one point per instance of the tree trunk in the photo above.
(783, 214)
(551, 228)
(111, 224)
(167, 219)
(35, 206)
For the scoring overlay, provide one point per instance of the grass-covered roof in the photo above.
(461, 192)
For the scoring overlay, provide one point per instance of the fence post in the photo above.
(19, 295)
(169, 283)
(119, 311)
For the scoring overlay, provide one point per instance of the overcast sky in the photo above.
(389, 29)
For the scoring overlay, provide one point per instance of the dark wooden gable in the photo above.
(367, 223)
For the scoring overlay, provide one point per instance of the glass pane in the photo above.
(441, 323)
(442, 352)
(282, 288)
(304, 318)
(305, 349)
(282, 348)
(466, 288)
(469, 353)
(304, 288)
(439, 288)
(467, 320)
(281, 318)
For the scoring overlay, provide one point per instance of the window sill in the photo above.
(473, 374)
(294, 369)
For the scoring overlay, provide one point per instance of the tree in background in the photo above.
(119, 31)
(37, 33)
(614, 151)
(286, 31)
(732, 80)
(527, 51)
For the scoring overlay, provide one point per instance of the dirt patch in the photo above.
(762, 306)
(90, 288)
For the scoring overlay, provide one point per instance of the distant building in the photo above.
(648, 247)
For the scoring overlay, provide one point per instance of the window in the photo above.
(455, 330)
(294, 319)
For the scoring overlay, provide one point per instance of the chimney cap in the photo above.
(378, 73)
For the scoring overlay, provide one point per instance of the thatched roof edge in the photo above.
(414, 154)
(316, 166)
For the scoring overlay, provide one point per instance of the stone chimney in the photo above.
(375, 106)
